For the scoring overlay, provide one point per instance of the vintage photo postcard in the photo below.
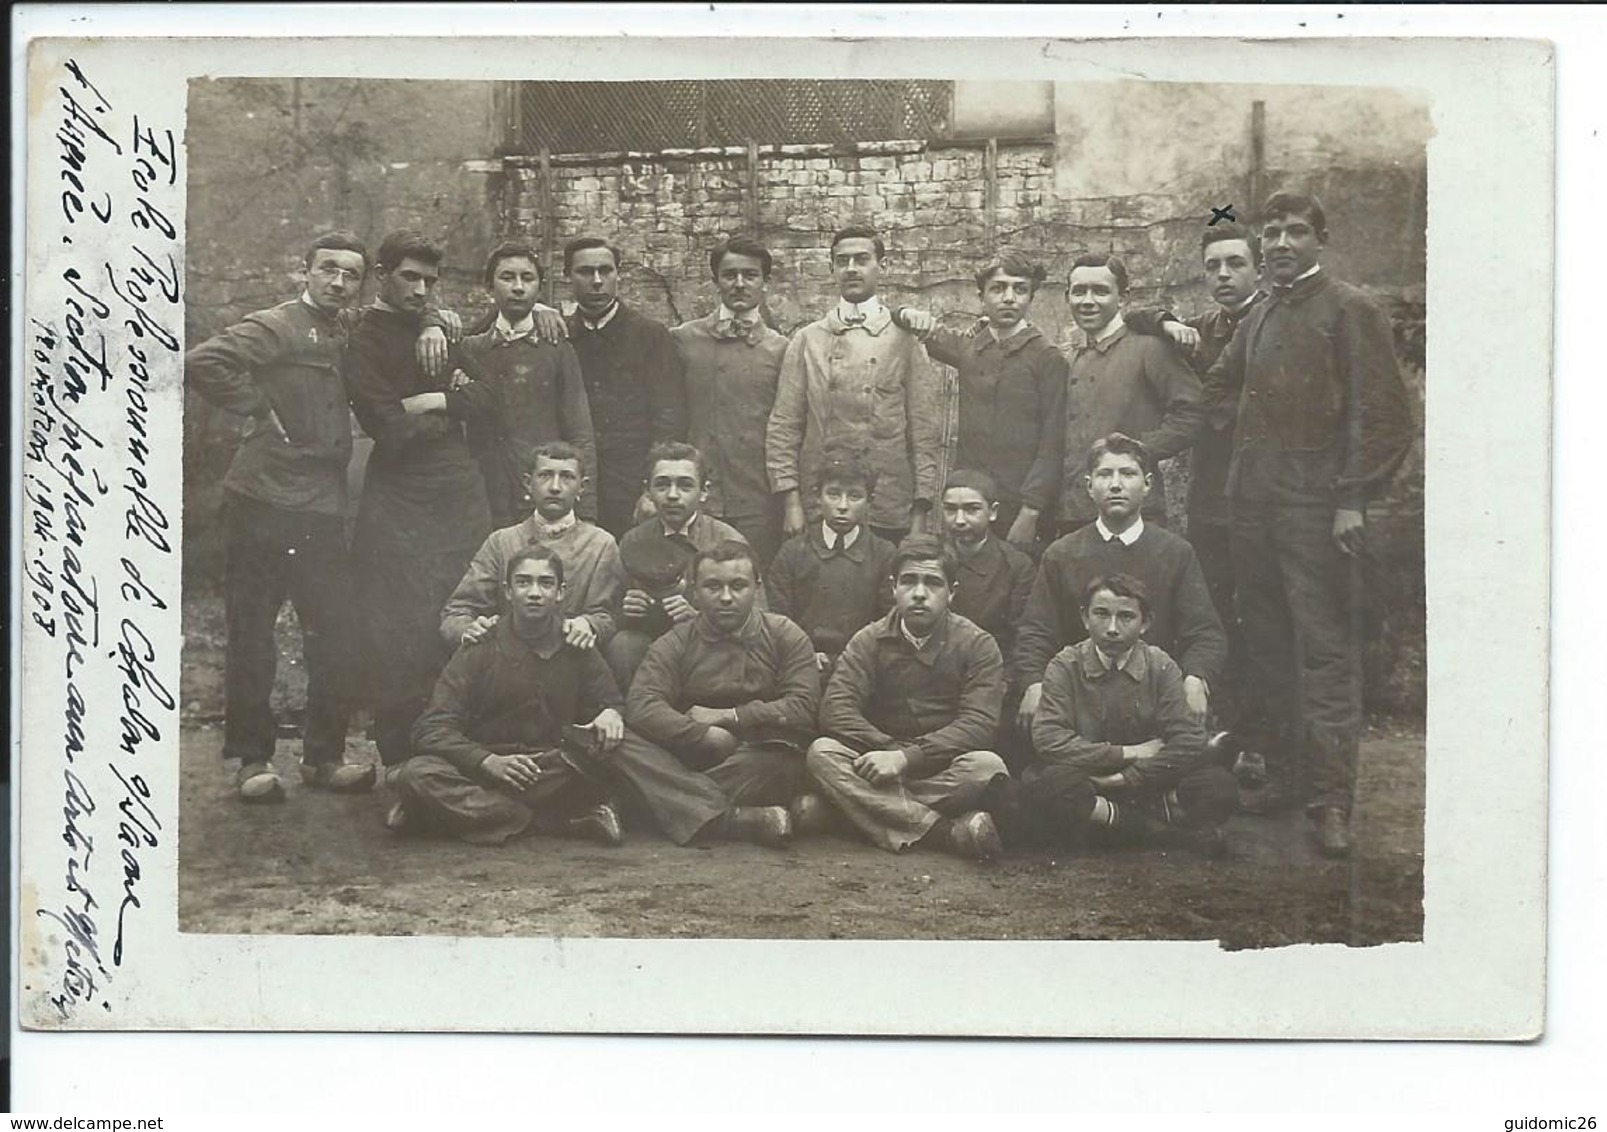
(899, 537)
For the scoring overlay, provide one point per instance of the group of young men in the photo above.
(734, 584)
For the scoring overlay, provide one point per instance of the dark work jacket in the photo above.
(1130, 383)
(832, 594)
(500, 697)
(284, 360)
(1090, 712)
(993, 587)
(1213, 448)
(765, 672)
(1321, 414)
(423, 495)
(933, 703)
(524, 393)
(1012, 409)
(636, 394)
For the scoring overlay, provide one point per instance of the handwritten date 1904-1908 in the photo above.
(92, 399)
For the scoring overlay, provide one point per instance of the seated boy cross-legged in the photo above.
(720, 712)
(490, 757)
(909, 714)
(1118, 747)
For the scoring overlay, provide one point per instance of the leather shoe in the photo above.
(762, 825)
(811, 815)
(257, 784)
(599, 824)
(974, 835)
(340, 778)
(1333, 832)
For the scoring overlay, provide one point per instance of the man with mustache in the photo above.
(855, 377)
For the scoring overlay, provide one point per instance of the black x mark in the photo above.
(1221, 214)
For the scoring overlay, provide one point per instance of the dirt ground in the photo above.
(321, 864)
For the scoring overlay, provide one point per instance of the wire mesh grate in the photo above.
(601, 117)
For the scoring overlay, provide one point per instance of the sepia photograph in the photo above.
(608, 536)
(975, 324)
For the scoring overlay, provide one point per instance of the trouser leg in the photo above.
(404, 653)
(624, 652)
(1056, 804)
(1268, 711)
(681, 800)
(254, 588)
(899, 814)
(321, 592)
(759, 776)
(453, 803)
(1318, 579)
(1208, 796)
(1212, 545)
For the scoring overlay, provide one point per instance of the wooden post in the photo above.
(514, 138)
(990, 193)
(753, 189)
(549, 223)
(1258, 162)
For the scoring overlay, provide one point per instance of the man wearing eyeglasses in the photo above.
(284, 512)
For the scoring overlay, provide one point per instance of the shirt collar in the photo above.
(512, 332)
(1110, 329)
(1308, 272)
(891, 627)
(1128, 537)
(601, 320)
(1243, 308)
(685, 530)
(918, 642)
(833, 541)
(746, 318)
(553, 530)
(314, 307)
(1019, 329)
(855, 313)
(1096, 665)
